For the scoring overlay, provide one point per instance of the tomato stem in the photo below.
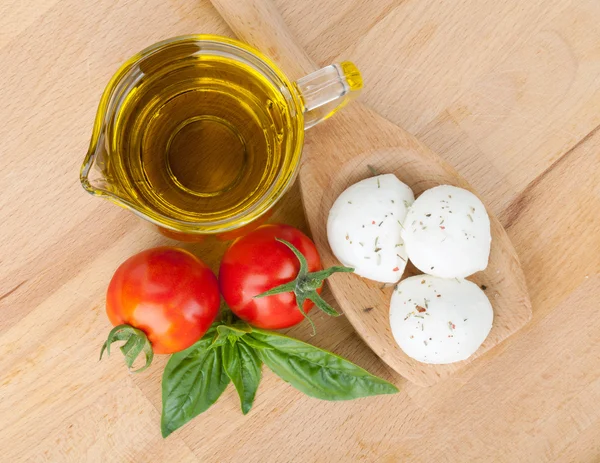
(305, 285)
(136, 341)
(226, 314)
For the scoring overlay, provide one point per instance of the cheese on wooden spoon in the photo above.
(364, 227)
(447, 233)
(437, 320)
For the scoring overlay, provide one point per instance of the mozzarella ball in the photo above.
(447, 233)
(364, 227)
(436, 320)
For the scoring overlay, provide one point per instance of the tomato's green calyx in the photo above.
(136, 341)
(306, 284)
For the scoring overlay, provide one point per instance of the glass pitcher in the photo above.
(202, 135)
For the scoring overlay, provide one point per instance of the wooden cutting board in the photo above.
(336, 155)
(507, 92)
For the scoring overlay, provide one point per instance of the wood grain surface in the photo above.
(507, 92)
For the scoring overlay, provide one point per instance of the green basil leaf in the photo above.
(316, 372)
(252, 342)
(243, 367)
(217, 341)
(238, 329)
(192, 381)
(231, 332)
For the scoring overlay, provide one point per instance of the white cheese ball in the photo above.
(364, 227)
(435, 320)
(447, 233)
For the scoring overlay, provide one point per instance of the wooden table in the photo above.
(508, 92)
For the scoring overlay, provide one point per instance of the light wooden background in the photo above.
(507, 91)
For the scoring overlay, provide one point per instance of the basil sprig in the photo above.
(195, 378)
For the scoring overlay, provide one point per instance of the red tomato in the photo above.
(168, 293)
(256, 263)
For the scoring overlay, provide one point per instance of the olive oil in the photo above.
(201, 138)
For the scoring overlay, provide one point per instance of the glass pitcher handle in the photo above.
(327, 90)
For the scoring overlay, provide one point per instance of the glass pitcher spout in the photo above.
(95, 174)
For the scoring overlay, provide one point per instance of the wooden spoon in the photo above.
(336, 155)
